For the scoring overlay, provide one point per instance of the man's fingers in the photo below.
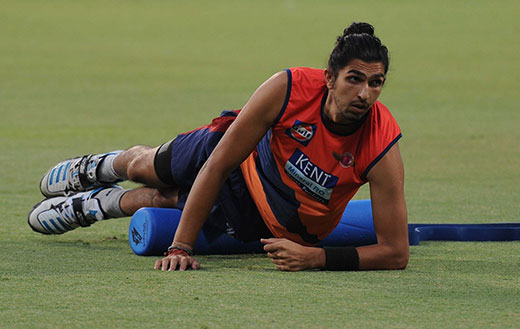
(170, 263)
(195, 265)
(165, 264)
(183, 264)
(277, 261)
(277, 254)
(173, 263)
(157, 264)
(273, 246)
(270, 240)
(282, 268)
(287, 268)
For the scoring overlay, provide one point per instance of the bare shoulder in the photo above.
(279, 79)
(268, 99)
(253, 122)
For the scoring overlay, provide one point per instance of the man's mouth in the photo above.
(359, 107)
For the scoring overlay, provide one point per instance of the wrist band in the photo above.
(176, 250)
(341, 259)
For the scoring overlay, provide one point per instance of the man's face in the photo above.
(354, 90)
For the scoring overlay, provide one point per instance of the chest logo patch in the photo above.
(313, 180)
(301, 132)
(346, 159)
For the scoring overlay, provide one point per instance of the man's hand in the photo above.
(171, 262)
(291, 256)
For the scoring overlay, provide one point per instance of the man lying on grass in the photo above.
(282, 169)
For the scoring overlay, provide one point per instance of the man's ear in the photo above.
(329, 78)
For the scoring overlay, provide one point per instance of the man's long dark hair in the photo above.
(357, 42)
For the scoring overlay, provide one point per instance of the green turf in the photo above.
(87, 76)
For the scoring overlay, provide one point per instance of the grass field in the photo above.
(89, 76)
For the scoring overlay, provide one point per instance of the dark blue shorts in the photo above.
(178, 162)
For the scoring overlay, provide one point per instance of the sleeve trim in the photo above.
(380, 156)
(287, 95)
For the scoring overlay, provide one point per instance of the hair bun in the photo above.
(357, 42)
(359, 28)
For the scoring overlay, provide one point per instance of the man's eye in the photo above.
(376, 83)
(353, 79)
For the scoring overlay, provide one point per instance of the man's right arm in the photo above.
(252, 123)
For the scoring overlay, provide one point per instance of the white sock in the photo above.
(105, 170)
(109, 199)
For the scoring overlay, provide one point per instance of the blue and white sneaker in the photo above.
(62, 214)
(73, 176)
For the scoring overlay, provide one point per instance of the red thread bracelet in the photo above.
(175, 251)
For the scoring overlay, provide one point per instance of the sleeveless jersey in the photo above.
(302, 175)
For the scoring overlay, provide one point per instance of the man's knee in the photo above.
(141, 167)
(165, 198)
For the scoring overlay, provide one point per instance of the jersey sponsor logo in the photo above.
(313, 180)
(346, 159)
(301, 132)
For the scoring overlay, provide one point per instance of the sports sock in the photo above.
(109, 199)
(105, 170)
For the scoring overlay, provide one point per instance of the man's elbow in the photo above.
(395, 257)
(399, 259)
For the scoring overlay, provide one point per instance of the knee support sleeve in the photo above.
(162, 163)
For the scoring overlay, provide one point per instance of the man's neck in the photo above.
(330, 119)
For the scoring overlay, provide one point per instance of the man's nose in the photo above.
(363, 92)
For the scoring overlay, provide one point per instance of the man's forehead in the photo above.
(368, 69)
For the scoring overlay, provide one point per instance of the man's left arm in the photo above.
(391, 252)
(386, 181)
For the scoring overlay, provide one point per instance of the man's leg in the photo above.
(62, 213)
(145, 196)
(137, 165)
(91, 171)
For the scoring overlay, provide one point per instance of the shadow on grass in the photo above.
(110, 242)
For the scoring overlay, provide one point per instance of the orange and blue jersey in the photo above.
(302, 175)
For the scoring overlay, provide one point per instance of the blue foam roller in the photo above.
(151, 231)
(356, 227)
